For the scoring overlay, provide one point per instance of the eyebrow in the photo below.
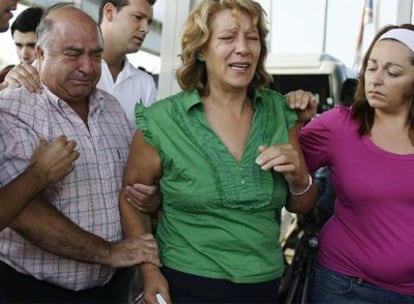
(387, 64)
(28, 44)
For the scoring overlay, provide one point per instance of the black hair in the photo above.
(28, 20)
(118, 4)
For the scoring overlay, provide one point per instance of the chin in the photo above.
(133, 49)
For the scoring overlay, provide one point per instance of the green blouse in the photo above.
(220, 216)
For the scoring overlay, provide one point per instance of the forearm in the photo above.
(134, 222)
(302, 203)
(47, 228)
(17, 194)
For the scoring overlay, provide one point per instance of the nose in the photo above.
(144, 26)
(377, 77)
(86, 64)
(242, 46)
(25, 54)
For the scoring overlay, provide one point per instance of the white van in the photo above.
(322, 74)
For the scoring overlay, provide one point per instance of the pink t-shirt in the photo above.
(371, 233)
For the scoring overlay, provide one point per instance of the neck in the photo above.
(228, 101)
(391, 120)
(115, 62)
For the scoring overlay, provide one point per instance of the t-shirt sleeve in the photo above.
(315, 139)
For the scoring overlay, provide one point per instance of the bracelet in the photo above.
(310, 182)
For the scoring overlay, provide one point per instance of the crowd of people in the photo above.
(88, 156)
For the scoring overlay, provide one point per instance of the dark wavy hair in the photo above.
(196, 35)
(362, 112)
(28, 20)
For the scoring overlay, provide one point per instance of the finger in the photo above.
(284, 168)
(275, 161)
(43, 141)
(11, 82)
(147, 236)
(270, 152)
(27, 76)
(136, 199)
(145, 189)
(74, 156)
(70, 145)
(154, 260)
(300, 99)
(136, 205)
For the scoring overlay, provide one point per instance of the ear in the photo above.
(109, 11)
(40, 53)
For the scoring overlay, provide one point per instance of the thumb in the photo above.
(43, 141)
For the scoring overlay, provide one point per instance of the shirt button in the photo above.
(242, 181)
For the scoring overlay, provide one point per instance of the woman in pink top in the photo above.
(366, 249)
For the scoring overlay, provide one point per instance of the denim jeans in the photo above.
(332, 287)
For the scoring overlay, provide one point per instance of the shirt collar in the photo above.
(193, 98)
(96, 99)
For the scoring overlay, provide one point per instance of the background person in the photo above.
(125, 24)
(348, 90)
(226, 153)
(23, 31)
(365, 247)
(6, 9)
(76, 260)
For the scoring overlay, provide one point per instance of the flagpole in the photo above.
(325, 25)
(377, 14)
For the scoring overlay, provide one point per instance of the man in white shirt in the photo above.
(124, 25)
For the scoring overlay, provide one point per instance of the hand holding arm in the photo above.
(144, 198)
(68, 240)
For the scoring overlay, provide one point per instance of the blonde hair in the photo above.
(196, 35)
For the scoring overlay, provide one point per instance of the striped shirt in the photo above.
(88, 196)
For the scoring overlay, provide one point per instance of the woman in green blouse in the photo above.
(227, 158)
